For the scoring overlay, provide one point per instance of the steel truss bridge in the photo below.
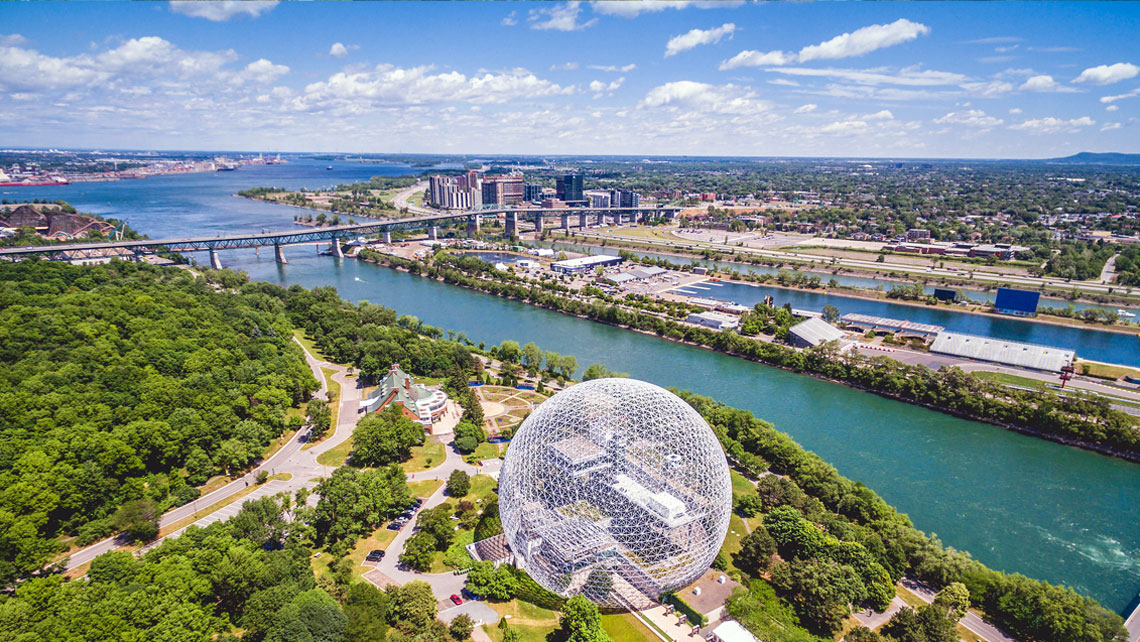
(135, 249)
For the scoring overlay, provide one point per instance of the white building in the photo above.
(732, 631)
(714, 320)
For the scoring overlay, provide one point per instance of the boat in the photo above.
(1126, 314)
(329, 167)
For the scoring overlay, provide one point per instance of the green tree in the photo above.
(366, 608)
(567, 365)
(830, 313)
(580, 621)
(319, 418)
(485, 579)
(419, 551)
(532, 357)
(598, 371)
(138, 520)
(413, 605)
(820, 590)
(458, 484)
(756, 551)
(509, 351)
(461, 627)
(953, 600)
(385, 437)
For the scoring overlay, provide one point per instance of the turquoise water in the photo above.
(1015, 502)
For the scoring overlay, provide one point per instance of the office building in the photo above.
(569, 187)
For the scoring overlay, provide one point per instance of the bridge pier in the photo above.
(566, 222)
(337, 251)
(538, 225)
(512, 225)
(279, 254)
(582, 220)
(433, 232)
(472, 226)
(215, 262)
(387, 237)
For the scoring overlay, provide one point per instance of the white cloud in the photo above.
(1042, 83)
(1015, 111)
(970, 118)
(1108, 74)
(698, 37)
(806, 109)
(1112, 99)
(510, 20)
(910, 76)
(1112, 108)
(783, 82)
(566, 66)
(559, 17)
(1051, 125)
(12, 40)
(988, 89)
(880, 115)
(751, 58)
(614, 68)
(260, 71)
(634, 8)
(339, 50)
(865, 40)
(845, 127)
(388, 85)
(1111, 126)
(705, 98)
(600, 87)
(221, 10)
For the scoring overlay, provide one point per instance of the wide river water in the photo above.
(1016, 503)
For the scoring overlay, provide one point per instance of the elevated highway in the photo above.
(430, 222)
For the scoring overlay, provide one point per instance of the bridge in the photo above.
(333, 234)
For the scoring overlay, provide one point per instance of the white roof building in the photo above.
(814, 332)
(732, 631)
(1024, 355)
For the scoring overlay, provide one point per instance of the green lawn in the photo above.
(741, 484)
(334, 411)
(424, 487)
(424, 457)
(1105, 371)
(624, 627)
(484, 451)
(1010, 380)
(336, 456)
(308, 343)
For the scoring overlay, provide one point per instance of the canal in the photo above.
(1016, 503)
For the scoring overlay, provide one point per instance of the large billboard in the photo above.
(1019, 302)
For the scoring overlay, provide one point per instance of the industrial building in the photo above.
(894, 326)
(584, 264)
(714, 320)
(1012, 353)
(814, 332)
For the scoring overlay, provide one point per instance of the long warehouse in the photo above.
(1024, 355)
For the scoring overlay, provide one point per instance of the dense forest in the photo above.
(129, 383)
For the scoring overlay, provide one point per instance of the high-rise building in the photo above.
(569, 187)
(532, 192)
(454, 192)
(503, 190)
(599, 199)
(624, 198)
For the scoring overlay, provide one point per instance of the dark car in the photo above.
(455, 598)
(374, 556)
(395, 526)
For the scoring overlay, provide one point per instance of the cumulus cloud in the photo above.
(1015, 111)
(988, 89)
(559, 17)
(1112, 108)
(338, 50)
(261, 71)
(806, 109)
(697, 37)
(600, 87)
(1043, 83)
(1111, 126)
(752, 58)
(634, 8)
(706, 98)
(388, 85)
(880, 115)
(221, 10)
(1112, 99)
(865, 40)
(970, 118)
(614, 68)
(1108, 74)
(1051, 125)
(510, 20)
(12, 40)
(910, 76)
(566, 66)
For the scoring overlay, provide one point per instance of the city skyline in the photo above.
(628, 78)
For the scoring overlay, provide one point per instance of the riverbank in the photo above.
(1121, 427)
(1054, 293)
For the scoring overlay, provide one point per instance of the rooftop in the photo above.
(816, 331)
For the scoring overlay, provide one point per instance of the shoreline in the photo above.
(816, 268)
(844, 292)
(1075, 443)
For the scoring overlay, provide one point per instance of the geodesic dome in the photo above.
(616, 489)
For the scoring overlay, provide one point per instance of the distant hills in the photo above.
(1094, 158)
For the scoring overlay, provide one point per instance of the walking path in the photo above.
(873, 620)
(302, 464)
(971, 621)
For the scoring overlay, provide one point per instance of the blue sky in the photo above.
(937, 79)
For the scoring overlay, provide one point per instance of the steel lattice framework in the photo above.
(615, 489)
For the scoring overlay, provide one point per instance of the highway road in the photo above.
(971, 621)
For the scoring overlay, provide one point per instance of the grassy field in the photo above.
(424, 487)
(1105, 371)
(336, 456)
(1010, 380)
(741, 485)
(535, 623)
(309, 345)
(484, 451)
(425, 457)
(380, 538)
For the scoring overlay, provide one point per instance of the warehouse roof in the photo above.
(1012, 353)
(816, 331)
(898, 324)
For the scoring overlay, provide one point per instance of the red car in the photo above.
(456, 599)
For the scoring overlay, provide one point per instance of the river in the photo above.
(1016, 503)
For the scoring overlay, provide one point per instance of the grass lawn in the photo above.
(482, 490)
(334, 408)
(1010, 380)
(737, 529)
(424, 457)
(309, 345)
(624, 627)
(424, 487)
(1105, 371)
(532, 622)
(484, 451)
(741, 484)
(336, 456)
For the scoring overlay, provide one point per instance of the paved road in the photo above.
(874, 620)
(971, 621)
(1108, 274)
(400, 200)
(290, 458)
(1132, 624)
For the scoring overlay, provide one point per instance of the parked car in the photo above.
(455, 598)
(374, 556)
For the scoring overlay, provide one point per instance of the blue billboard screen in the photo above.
(1024, 301)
